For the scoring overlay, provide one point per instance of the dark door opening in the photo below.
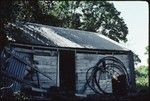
(67, 70)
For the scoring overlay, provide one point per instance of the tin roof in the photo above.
(64, 37)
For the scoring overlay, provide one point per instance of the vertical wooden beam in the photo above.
(57, 74)
(132, 70)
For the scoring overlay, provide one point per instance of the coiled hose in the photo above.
(109, 66)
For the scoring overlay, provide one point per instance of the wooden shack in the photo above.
(65, 55)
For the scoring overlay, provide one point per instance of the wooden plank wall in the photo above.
(49, 66)
(84, 62)
(46, 61)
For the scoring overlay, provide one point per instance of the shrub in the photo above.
(142, 77)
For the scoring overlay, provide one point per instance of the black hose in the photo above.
(103, 66)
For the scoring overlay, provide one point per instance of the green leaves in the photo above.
(142, 77)
(103, 14)
(95, 16)
(90, 16)
(147, 50)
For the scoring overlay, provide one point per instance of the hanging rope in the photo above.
(109, 66)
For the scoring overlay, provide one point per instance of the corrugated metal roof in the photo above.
(63, 37)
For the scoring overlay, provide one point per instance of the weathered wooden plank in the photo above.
(47, 65)
(85, 61)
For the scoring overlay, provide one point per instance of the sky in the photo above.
(136, 16)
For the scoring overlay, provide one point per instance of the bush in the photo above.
(142, 77)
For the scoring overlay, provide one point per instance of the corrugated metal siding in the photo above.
(17, 69)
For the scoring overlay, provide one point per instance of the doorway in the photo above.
(67, 70)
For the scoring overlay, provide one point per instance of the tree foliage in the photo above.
(95, 16)
(103, 17)
(142, 77)
(147, 50)
(147, 53)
